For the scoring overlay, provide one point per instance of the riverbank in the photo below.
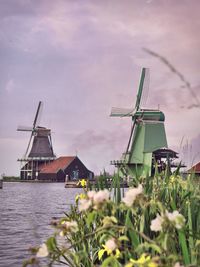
(18, 180)
(11, 179)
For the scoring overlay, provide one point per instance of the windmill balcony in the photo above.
(37, 159)
(118, 162)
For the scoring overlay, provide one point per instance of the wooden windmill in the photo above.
(41, 151)
(147, 144)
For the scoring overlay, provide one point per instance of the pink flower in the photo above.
(84, 204)
(101, 196)
(156, 224)
(176, 218)
(131, 195)
(111, 244)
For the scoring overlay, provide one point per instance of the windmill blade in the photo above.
(28, 145)
(141, 87)
(25, 128)
(145, 91)
(131, 136)
(37, 114)
(50, 141)
(121, 112)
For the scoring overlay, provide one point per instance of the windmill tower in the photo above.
(41, 151)
(147, 145)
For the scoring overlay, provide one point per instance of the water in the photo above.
(26, 210)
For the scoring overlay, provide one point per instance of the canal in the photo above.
(26, 210)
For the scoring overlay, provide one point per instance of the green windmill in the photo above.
(147, 144)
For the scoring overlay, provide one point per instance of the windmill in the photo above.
(147, 145)
(41, 151)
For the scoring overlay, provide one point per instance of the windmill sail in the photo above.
(27, 149)
(121, 112)
(38, 112)
(143, 84)
(145, 90)
(24, 128)
(131, 137)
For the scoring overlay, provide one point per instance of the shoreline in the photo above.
(29, 181)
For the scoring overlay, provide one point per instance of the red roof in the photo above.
(56, 165)
(195, 168)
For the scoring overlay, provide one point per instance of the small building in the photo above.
(68, 168)
(195, 170)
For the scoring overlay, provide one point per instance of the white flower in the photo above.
(93, 197)
(101, 196)
(172, 215)
(91, 194)
(176, 218)
(177, 264)
(70, 226)
(156, 224)
(111, 244)
(132, 194)
(43, 251)
(84, 204)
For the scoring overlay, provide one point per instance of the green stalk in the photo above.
(184, 248)
(131, 233)
(191, 239)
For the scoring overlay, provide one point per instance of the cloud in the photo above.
(13, 149)
(99, 148)
(90, 139)
(10, 86)
(83, 58)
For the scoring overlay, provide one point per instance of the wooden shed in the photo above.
(195, 170)
(70, 167)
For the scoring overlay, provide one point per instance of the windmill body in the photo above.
(41, 151)
(41, 146)
(147, 137)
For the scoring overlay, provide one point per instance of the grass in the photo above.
(11, 178)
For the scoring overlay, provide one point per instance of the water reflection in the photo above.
(26, 210)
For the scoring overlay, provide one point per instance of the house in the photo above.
(195, 170)
(69, 167)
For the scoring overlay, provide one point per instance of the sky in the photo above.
(83, 57)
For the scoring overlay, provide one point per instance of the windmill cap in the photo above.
(152, 115)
